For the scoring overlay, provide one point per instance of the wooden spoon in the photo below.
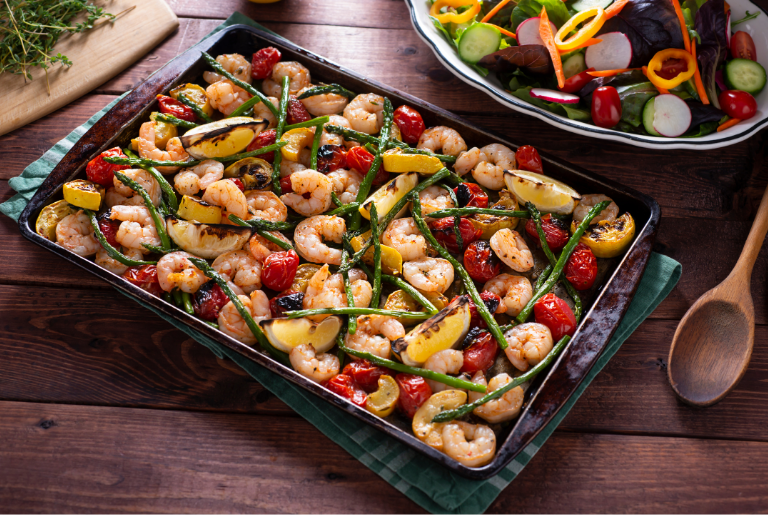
(713, 342)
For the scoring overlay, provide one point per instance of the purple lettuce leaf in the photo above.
(711, 25)
(534, 58)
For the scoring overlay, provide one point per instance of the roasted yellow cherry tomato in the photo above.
(657, 63)
(582, 35)
(609, 238)
(453, 17)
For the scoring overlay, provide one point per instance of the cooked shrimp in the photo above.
(193, 180)
(466, 161)
(470, 444)
(326, 290)
(261, 110)
(442, 138)
(75, 233)
(136, 227)
(324, 104)
(113, 198)
(112, 265)
(588, 201)
(261, 248)
(504, 408)
(319, 188)
(433, 199)
(444, 362)
(226, 97)
(365, 113)
(528, 344)
(487, 164)
(403, 235)
(515, 292)
(329, 138)
(232, 323)
(175, 270)
(297, 72)
(241, 268)
(265, 205)
(289, 167)
(235, 64)
(145, 180)
(226, 194)
(512, 250)
(174, 151)
(346, 184)
(429, 274)
(374, 334)
(318, 368)
(310, 234)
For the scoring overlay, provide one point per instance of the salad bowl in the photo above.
(490, 84)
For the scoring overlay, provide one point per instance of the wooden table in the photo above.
(106, 408)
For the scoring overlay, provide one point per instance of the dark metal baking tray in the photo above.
(552, 389)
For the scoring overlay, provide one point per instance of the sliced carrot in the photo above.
(728, 124)
(545, 31)
(683, 27)
(727, 6)
(661, 90)
(504, 31)
(495, 10)
(608, 73)
(697, 77)
(588, 43)
(615, 8)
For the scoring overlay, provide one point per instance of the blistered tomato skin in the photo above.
(260, 141)
(170, 106)
(286, 301)
(100, 171)
(555, 232)
(108, 228)
(285, 184)
(360, 159)
(528, 159)
(481, 262)
(481, 352)
(144, 277)
(606, 107)
(409, 122)
(345, 386)
(555, 314)
(470, 194)
(738, 104)
(414, 391)
(239, 184)
(331, 157)
(296, 113)
(444, 232)
(262, 62)
(491, 301)
(208, 301)
(279, 270)
(581, 268)
(366, 374)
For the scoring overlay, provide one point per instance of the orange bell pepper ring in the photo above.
(453, 17)
(582, 35)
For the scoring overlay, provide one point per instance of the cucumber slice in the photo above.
(746, 75)
(478, 41)
(456, 27)
(586, 5)
(648, 112)
(575, 64)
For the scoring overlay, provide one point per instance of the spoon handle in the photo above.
(754, 240)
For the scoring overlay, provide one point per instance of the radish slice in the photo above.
(720, 80)
(672, 117)
(614, 52)
(728, 30)
(528, 32)
(554, 96)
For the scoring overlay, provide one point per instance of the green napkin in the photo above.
(425, 482)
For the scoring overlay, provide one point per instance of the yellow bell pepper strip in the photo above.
(697, 77)
(683, 27)
(607, 73)
(545, 31)
(493, 11)
(657, 63)
(452, 17)
(615, 8)
(728, 124)
(590, 29)
(398, 162)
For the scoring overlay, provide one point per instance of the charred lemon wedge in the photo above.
(387, 196)
(382, 402)
(207, 240)
(609, 238)
(285, 333)
(547, 194)
(50, 216)
(84, 194)
(391, 259)
(398, 162)
(194, 208)
(222, 138)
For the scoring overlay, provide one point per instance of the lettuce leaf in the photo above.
(711, 26)
(556, 10)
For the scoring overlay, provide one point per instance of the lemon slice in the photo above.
(547, 194)
(444, 330)
(387, 196)
(286, 333)
(222, 138)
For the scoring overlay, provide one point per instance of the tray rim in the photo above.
(161, 80)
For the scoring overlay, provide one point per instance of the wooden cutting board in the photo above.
(97, 56)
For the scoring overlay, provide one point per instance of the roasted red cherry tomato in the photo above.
(208, 301)
(470, 194)
(581, 268)
(555, 314)
(578, 81)
(176, 108)
(279, 270)
(360, 159)
(528, 159)
(262, 62)
(260, 141)
(491, 301)
(286, 186)
(738, 104)
(345, 386)
(409, 122)
(366, 374)
(414, 391)
(100, 171)
(480, 352)
(555, 232)
(742, 46)
(606, 107)
(296, 113)
(481, 262)
(239, 184)
(445, 233)
(144, 277)
(286, 301)
(108, 228)
(331, 157)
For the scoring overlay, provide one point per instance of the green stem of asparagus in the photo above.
(195, 108)
(216, 66)
(159, 223)
(456, 218)
(358, 311)
(261, 224)
(352, 320)
(543, 275)
(284, 97)
(460, 212)
(211, 324)
(165, 186)
(411, 291)
(333, 88)
(271, 148)
(306, 124)
(159, 250)
(111, 251)
(141, 163)
(344, 209)
(363, 138)
(172, 120)
(272, 238)
(176, 295)
(315, 147)
(186, 299)
(376, 298)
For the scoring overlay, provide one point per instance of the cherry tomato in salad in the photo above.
(414, 391)
(481, 262)
(279, 270)
(108, 228)
(445, 233)
(528, 159)
(738, 104)
(481, 351)
(286, 301)
(262, 62)
(581, 268)
(331, 157)
(742, 46)
(286, 185)
(208, 301)
(491, 301)
(260, 141)
(144, 277)
(170, 106)
(100, 171)
(345, 386)
(471, 194)
(555, 314)
(366, 374)
(295, 112)
(409, 122)
(578, 81)
(555, 231)
(606, 107)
